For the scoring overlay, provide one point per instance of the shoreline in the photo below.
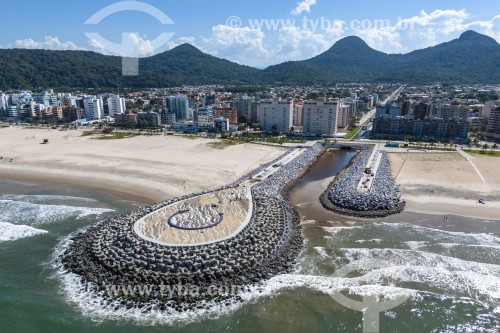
(134, 190)
(452, 206)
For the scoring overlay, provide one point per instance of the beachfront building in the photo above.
(72, 113)
(428, 129)
(343, 118)
(116, 105)
(493, 128)
(148, 119)
(13, 111)
(167, 117)
(275, 115)
(93, 108)
(180, 106)
(298, 114)
(320, 117)
(204, 116)
(126, 119)
(226, 112)
(221, 124)
(3, 102)
(45, 98)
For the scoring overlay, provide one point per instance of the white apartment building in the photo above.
(93, 108)
(116, 105)
(275, 115)
(3, 101)
(320, 117)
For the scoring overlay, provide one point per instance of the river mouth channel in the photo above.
(449, 270)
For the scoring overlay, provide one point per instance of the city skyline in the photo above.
(249, 33)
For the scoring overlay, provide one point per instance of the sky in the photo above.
(257, 33)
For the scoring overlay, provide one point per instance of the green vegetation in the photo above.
(117, 135)
(110, 136)
(484, 152)
(353, 133)
(349, 60)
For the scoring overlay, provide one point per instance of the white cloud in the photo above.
(97, 46)
(139, 46)
(49, 43)
(242, 45)
(385, 40)
(303, 6)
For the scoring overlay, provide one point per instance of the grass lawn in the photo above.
(483, 152)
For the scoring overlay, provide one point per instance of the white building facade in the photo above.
(116, 105)
(276, 115)
(93, 108)
(320, 117)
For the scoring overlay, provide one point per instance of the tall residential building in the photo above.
(180, 106)
(298, 114)
(93, 108)
(205, 116)
(116, 105)
(254, 114)
(275, 115)
(449, 111)
(406, 108)
(320, 117)
(3, 101)
(343, 118)
(493, 128)
(421, 111)
(488, 106)
(244, 106)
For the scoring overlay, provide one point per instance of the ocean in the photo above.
(410, 272)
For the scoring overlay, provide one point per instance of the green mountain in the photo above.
(188, 65)
(472, 58)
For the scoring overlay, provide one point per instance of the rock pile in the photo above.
(343, 197)
(110, 253)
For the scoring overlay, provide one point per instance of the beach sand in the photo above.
(447, 183)
(153, 168)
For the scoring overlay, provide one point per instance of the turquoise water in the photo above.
(449, 271)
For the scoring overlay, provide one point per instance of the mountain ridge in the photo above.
(471, 58)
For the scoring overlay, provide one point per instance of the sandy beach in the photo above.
(152, 168)
(448, 183)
